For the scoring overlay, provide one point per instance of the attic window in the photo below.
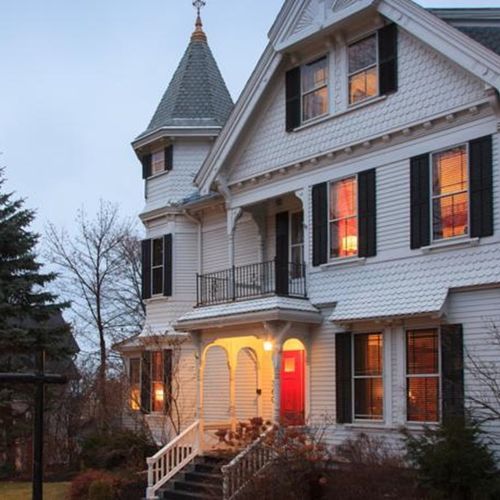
(157, 162)
(363, 69)
(314, 89)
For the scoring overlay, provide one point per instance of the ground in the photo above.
(22, 491)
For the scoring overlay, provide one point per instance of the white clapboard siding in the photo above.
(215, 243)
(216, 397)
(322, 374)
(479, 313)
(246, 385)
(246, 242)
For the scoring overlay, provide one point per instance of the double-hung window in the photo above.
(422, 375)
(135, 383)
(157, 266)
(157, 162)
(363, 69)
(157, 382)
(367, 376)
(343, 218)
(450, 193)
(315, 89)
(297, 244)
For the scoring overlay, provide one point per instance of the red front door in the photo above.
(292, 388)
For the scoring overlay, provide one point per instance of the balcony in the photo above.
(285, 279)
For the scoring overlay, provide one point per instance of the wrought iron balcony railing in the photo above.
(254, 280)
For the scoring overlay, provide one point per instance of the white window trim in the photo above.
(153, 267)
(327, 85)
(359, 377)
(292, 245)
(439, 375)
(460, 237)
(376, 65)
(346, 258)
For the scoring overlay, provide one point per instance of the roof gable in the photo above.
(311, 18)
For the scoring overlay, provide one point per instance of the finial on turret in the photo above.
(199, 34)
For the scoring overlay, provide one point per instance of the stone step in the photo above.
(197, 487)
(186, 495)
(203, 477)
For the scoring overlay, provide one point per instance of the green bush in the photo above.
(101, 490)
(81, 484)
(453, 462)
(117, 449)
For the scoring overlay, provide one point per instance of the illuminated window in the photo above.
(422, 367)
(157, 381)
(315, 89)
(344, 218)
(363, 69)
(157, 267)
(450, 193)
(297, 244)
(368, 382)
(135, 383)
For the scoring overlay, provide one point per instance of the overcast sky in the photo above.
(79, 79)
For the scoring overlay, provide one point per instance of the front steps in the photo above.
(201, 479)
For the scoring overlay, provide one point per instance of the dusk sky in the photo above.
(81, 78)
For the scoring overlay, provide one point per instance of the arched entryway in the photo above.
(216, 387)
(292, 400)
(246, 385)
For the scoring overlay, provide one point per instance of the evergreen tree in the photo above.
(27, 311)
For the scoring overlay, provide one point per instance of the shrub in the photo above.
(453, 462)
(117, 449)
(81, 484)
(101, 490)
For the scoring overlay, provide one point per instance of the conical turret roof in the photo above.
(197, 95)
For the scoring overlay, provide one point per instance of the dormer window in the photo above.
(363, 69)
(157, 162)
(314, 89)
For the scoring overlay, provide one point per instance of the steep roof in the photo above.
(197, 95)
(482, 25)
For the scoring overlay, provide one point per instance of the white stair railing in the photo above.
(172, 458)
(252, 460)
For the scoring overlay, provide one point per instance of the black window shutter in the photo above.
(481, 186)
(146, 382)
(293, 89)
(169, 157)
(167, 265)
(452, 362)
(146, 161)
(367, 213)
(420, 201)
(146, 269)
(282, 245)
(167, 379)
(388, 59)
(320, 223)
(343, 372)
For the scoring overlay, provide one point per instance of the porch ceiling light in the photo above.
(268, 346)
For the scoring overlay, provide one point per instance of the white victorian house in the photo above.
(329, 246)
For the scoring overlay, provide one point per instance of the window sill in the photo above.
(156, 298)
(349, 109)
(157, 176)
(348, 261)
(379, 425)
(454, 243)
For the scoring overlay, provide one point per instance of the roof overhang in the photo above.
(252, 311)
(167, 133)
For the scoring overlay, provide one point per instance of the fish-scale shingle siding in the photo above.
(429, 85)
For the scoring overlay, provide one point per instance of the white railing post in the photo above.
(172, 458)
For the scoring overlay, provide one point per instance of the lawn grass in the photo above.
(22, 491)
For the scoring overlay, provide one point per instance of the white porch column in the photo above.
(277, 358)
